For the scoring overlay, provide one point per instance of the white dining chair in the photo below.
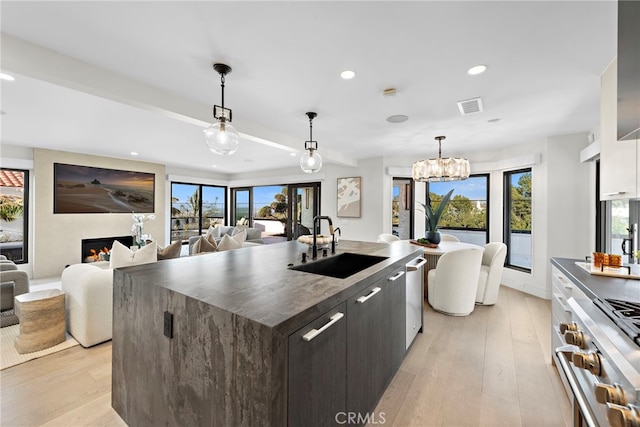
(453, 284)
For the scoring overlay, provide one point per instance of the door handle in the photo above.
(315, 332)
(397, 276)
(417, 266)
(364, 298)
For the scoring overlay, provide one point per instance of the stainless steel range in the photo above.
(601, 361)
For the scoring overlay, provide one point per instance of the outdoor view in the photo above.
(466, 214)
(270, 206)
(519, 241)
(191, 203)
(12, 210)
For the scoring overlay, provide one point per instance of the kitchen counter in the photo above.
(223, 358)
(598, 286)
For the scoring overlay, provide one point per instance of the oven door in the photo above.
(581, 383)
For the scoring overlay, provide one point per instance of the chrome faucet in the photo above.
(316, 226)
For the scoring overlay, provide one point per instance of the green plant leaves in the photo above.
(433, 216)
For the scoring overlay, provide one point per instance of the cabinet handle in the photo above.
(315, 332)
(417, 266)
(614, 193)
(364, 299)
(397, 276)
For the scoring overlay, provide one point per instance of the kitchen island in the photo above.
(238, 338)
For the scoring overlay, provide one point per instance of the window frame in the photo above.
(25, 214)
(200, 216)
(488, 210)
(506, 229)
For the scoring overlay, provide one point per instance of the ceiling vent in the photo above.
(470, 106)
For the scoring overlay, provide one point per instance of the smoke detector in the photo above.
(470, 106)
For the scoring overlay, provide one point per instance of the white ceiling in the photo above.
(108, 78)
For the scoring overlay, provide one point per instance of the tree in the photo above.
(521, 204)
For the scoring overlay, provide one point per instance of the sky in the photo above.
(475, 188)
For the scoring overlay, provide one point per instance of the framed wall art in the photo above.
(87, 189)
(349, 197)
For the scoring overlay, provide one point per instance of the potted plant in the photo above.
(433, 218)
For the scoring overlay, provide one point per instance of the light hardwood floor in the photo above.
(491, 368)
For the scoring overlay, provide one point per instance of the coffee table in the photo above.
(42, 320)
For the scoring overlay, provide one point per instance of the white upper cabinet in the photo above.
(619, 161)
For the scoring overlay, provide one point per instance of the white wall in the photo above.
(57, 237)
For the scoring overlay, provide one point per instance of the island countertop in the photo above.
(256, 283)
(207, 339)
(598, 286)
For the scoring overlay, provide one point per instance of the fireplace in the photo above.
(95, 249)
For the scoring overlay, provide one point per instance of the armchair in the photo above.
(453, 284)
(491, 273)
(89, 302)
(387, 238)
(13, 282)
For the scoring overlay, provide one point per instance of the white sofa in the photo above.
(89, 302)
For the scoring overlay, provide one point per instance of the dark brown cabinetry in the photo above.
(317, 370)
(368, 353)
(341, 363)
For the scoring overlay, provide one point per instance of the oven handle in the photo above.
(564, 353)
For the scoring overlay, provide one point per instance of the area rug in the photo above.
(9, 356)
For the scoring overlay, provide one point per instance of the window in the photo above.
(467, 215)
(195, 207)
(281, 212)
(14, 208)
(402, 205)
(517, 219)
(617, 225)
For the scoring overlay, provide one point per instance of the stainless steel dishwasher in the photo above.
(415, 297)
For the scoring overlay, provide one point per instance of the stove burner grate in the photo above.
(625, 314)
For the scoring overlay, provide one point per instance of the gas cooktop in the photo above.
(625, 314)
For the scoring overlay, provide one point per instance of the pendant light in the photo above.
(441, 169)
(311, 162)
(221, 137)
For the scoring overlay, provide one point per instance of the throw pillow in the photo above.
(227, 243)
(122, 256)
(171, 251)
(206, 245)
(212, 233)
(239, 234)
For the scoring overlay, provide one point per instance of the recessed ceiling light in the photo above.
(293, 154)
(134, 153)
(398, 118)
(347, 74)
(478, 69)
(214, 166)
(4, 76)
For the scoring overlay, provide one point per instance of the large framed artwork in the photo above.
(87, 189)
(349, 191)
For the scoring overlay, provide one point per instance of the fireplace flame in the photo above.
(96, 255)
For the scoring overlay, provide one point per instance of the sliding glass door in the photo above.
(281, 212)
(304, 209)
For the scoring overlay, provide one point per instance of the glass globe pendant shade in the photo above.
(310, 162)
(222, 138)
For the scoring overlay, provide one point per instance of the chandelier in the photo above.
(441, 169)
(221, 137)
(312, 161)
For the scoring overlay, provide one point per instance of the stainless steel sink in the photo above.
(340, 266)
